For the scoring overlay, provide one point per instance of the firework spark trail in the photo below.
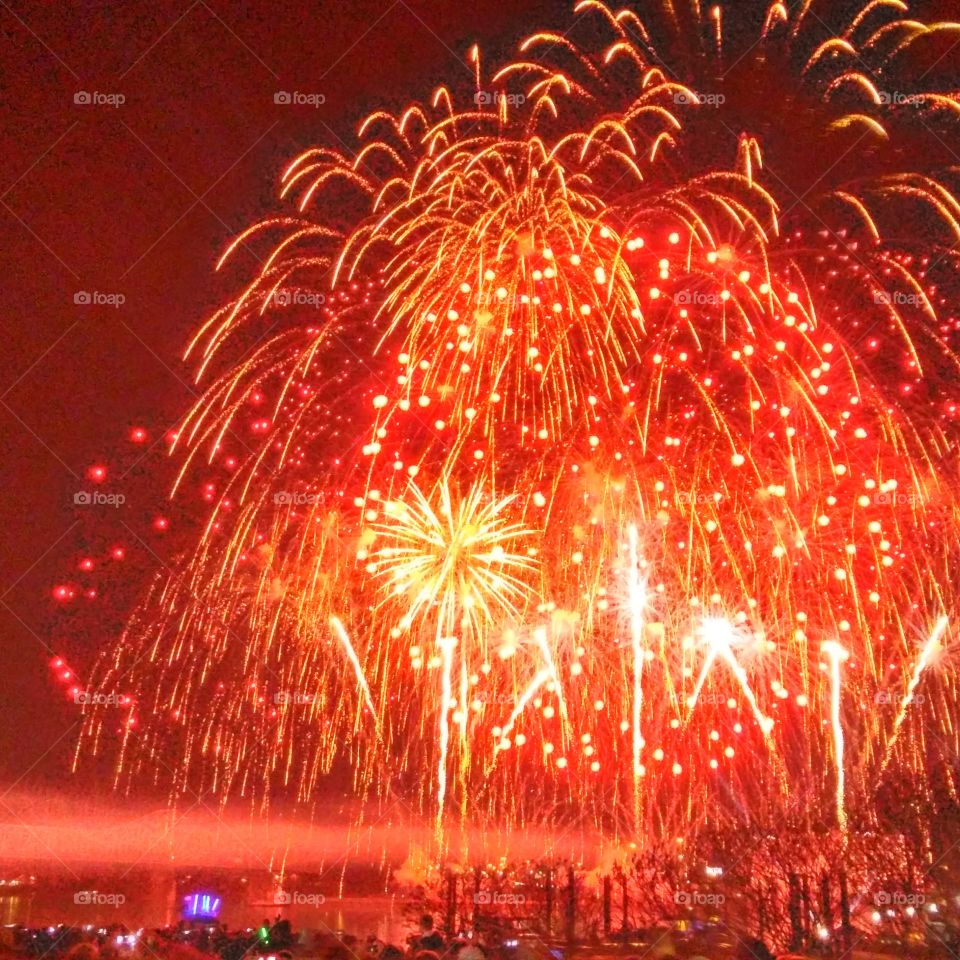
(447, 646)
(343, 636)
(637, 601)
(929, 651)
(544, 676)
(836, 655)
(466, 756)
(718, 636)
(540, 637)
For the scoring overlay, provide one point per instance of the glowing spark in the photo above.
(454, 557)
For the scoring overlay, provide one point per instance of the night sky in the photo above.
(139, 200)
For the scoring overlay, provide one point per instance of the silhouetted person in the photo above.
(281, 934)
(754, 950)
(429, 938)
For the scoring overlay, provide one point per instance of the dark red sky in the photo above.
(140, 200)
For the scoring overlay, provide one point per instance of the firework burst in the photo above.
(453, 564)
(682, 360)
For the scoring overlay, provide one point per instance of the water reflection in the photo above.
(139, 897)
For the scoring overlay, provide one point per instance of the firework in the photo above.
(637, 599)
(453, 565)
(627, 409)
(927, 654)
(836, 655)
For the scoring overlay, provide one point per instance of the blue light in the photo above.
(201, 906)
